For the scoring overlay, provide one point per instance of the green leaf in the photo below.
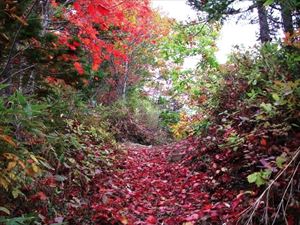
(21, 99)
(266, 107)
(16, 192)
(259, 181)
(2, 86)
(252, 177)
(276, 97)
(266, 174)
(16, 220)
(297, 59)
(259, 178)
(28, 110)
(5, 210)
(280, 160)
(268, 2)
(46, 164)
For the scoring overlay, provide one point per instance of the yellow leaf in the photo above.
(34, 158)
(21, 20)
(5, 210)
(4, 37)
(11, 165)
(35, 168)
(4, 182)
(12, 176)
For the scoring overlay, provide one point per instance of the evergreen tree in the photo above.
(267, 12)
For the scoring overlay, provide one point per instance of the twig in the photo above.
(258, 201)
(22, 70)
(285, 191)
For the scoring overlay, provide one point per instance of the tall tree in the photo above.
(287, 18)
(264, 30)
(221, 10)
(290, 14)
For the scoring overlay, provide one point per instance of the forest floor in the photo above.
(156, 185)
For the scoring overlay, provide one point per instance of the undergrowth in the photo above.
(251, 134)
(53, 144)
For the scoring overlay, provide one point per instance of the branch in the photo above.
(232, 11)
(22, 70)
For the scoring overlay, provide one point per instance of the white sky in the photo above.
(231, 33)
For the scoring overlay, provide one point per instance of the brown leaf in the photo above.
(11, 165)
(8, 140)
(21, 20)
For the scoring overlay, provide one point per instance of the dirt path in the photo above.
(153, 188)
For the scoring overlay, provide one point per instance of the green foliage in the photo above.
(233, 141)
(280, 160)
(23, 220)
(21, 124)
(33, 28)
(191, 40)
(169, 118)
(216, 10)
(54, 136)
(260, 178)
(272, 83)
(268, 2)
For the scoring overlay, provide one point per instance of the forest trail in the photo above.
(155, 185)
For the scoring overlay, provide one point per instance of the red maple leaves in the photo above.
(107, 28)
(152, 188)
(79, 68)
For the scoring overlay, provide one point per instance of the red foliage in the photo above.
(153, 188)
(39, 196)
(263, 142)
(79, 68)
(107, 27)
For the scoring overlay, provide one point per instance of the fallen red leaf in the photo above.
(151, 220)
(263, 142)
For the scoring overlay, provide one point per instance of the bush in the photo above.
(50, 144)
(136, 120)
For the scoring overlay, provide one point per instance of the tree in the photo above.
(110, 35)
(288, 10)
(22, 29)
(121, 73)
(264, 29)
(221, 10)
(100, 27)
(175, 83)
(287, 18)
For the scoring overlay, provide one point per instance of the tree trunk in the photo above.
(287, 18)
(125, 80)
(45, 8)
(264, 29)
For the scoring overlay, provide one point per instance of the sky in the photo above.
(231, 33)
